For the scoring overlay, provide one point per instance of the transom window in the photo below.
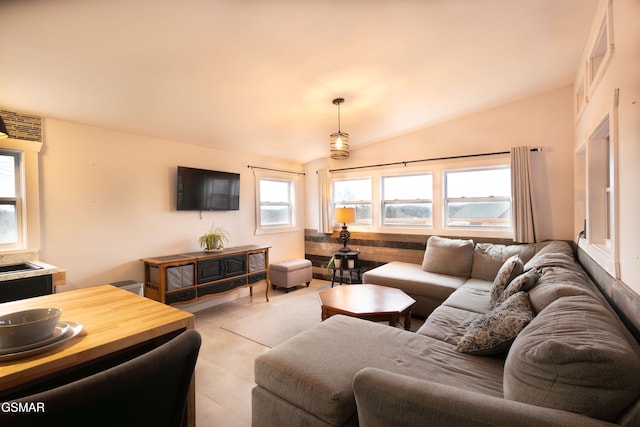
(407, 200)
(354, 193)
(478, 198)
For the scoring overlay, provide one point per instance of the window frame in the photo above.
(292, 205)
(600, 157)
(446, 201)
(18, 200)
(436, 169)
(601, 50)
(385, 202)
(352, 203)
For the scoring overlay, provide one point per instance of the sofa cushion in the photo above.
(509, 271)
(494, 332)
(413, 280)
(523, 282)
(558, 282)
(489, 257)
(448, 324)
(472, 296)
(548, 253)
(448, 256)
(577, 356)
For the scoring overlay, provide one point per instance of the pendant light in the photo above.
(339, 141)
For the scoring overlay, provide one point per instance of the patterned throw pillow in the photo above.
(494, 332)
(511, 268)
(523, 282)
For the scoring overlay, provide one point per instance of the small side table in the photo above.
(345, 266)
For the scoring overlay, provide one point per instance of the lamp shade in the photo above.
(345, 215)
(339, 141)
(339, 145)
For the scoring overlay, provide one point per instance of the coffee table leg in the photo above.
(407, 320)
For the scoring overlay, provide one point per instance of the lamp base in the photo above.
(344, 238)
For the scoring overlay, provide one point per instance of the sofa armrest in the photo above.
(385, 398)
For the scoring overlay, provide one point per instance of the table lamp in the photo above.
(344, 215)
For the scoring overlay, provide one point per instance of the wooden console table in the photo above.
(184, 278)
(117, 325)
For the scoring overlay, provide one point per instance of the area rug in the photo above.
(280, 322)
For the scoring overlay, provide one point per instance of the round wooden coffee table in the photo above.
(369, 302)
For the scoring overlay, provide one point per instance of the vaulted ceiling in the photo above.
(260, 75)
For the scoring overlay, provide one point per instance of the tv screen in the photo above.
(207, 190)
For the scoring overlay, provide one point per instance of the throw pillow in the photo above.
(523, 282)
(448, 256)
(494, 332)
(511, 268)
(489, 257)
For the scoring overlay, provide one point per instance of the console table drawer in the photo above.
(216, 288)
(181, 296)
(253, 278)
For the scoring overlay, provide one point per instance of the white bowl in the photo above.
(29, 326)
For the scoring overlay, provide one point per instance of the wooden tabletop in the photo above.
(113, 320)
(194, 256)
(366, 299)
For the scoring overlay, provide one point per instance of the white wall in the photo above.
(108, 199)
(623, 73)
(544, 120)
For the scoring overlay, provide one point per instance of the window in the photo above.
(478, 198)
(10, 199)
(601, 50)
(354, 193)
(600, 207)
(277, 203)
(407, 200)
(600, 171)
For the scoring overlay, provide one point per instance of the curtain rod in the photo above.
(405, 163)
(276, 170)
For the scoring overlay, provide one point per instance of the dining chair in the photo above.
(149, 390)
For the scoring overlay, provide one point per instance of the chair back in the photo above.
(149, 390)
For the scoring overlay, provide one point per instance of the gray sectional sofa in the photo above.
(447, 265)
(523, 338)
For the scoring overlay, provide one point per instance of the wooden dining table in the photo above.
(117, 326)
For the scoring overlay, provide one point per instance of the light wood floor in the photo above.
(224, 372)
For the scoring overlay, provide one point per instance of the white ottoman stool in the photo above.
(287, 274)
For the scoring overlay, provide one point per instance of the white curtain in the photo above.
(522, 209)
(324, 190)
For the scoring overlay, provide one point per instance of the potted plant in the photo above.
(214, 239)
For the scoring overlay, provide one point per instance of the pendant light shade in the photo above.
(339, 141)
(3, 129)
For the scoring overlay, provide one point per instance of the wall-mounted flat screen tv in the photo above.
(207, 190)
